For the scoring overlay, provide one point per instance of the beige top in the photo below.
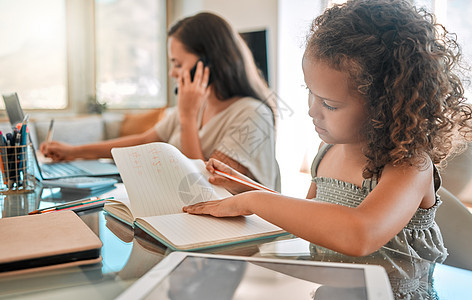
(244, 132)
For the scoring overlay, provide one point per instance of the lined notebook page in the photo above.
(185, 229)
(160, 180)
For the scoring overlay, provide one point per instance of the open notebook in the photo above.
(57, 169)
(159, 181)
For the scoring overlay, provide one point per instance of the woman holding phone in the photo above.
(222, 112)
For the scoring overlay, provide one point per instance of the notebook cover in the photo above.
(51, 239)
(52, 268)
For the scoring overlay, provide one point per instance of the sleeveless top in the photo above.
(421, 237)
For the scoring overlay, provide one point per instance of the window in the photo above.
(456, 19)
(131, 53)
(33, 52)
(58, 53)
(454, 15)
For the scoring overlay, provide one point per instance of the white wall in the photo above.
(244, 15)
(297, 141)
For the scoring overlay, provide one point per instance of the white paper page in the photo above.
(160, 180)
(121, 201)
(183, 229)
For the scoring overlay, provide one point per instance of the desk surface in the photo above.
(127, 255)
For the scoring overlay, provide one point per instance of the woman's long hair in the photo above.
(232, 66)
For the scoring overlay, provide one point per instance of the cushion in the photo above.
(74, 131)
(457, 175)
(112, 120)
(455, 222)
(140, 122)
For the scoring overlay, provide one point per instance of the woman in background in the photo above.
(222, 112)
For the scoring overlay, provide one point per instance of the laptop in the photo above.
(56, 170)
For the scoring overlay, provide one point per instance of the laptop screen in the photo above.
(13, 108)
(15, 116)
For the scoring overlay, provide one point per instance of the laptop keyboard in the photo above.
(61, 169)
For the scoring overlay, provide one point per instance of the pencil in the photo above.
(245, 182)
(80, 203)
(52, 207)
(84, 204)
(73, 206)
(3, 156)
(68, 205)
(50, 132)
(3, 169)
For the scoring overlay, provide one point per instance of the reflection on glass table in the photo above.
(410, 277)
(20, 204)
(202, 276)
(128, 254)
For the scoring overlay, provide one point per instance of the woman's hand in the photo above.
(232, 186)
(57, 151)
(192, 93)
(228, 207)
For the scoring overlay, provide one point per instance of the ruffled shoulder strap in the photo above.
(437, 179)
(319, 156)
(370, 183)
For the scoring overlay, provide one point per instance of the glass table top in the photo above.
(128, 254)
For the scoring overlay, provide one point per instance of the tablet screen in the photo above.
(219, 278)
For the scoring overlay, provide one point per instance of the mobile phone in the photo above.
(194, 69)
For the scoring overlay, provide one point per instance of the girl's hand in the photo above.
(192, 93)
(229, 207)
(57, 151)
(232, 186)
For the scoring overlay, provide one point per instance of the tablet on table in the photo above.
(187, 275)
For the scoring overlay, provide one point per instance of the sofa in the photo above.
(91, 128)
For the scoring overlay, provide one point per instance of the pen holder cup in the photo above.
(17, 169)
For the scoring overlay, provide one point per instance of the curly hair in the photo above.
(403, 64)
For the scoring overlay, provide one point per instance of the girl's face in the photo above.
(338, 112)
(180, 58)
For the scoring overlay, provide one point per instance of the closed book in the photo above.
(45, 241)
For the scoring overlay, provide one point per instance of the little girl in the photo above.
(388, 108)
